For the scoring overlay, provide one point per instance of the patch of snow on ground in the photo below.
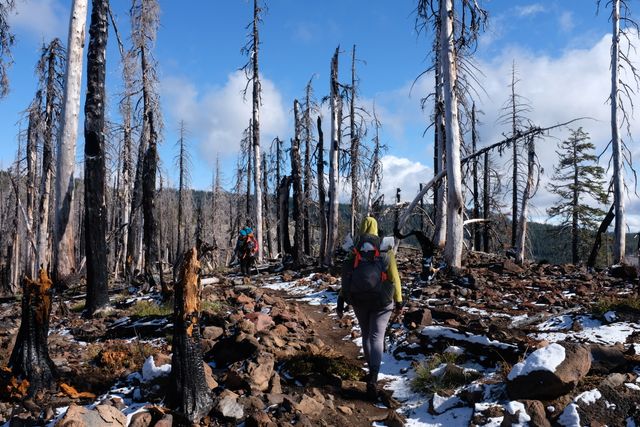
(150, 371)
(610, 316)
(454, 334)
(544, 359)
(454, 349)
(515, 407)
(442, 403)
(558, 323)
(632, 386)
(593, 333)
(588, 397)
(569, 417)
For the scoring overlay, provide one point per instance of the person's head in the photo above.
(369, 225)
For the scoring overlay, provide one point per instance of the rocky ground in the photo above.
(494, 345)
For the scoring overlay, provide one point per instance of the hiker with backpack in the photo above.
(248, 251)
(371, 284)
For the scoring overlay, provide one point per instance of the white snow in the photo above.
(632, 386)
(454, 334)
(514, 407)
(150, 371)
(610, 316)
(544, 359)
(442, 404)
(601, 334)
(588, 397)
(570, 417)
(454, 349)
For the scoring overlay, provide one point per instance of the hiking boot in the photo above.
(372, 391)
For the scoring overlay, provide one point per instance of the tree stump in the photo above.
(30, 356)
(191, 395)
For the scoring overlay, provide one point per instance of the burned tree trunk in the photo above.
(526, 195)
(283, 225)
(296, 176)
(485, 203)
(333, 217)
(265, 204)
(355, 145)
(30, 356)
(278, 213)
(307, 169)
(606, 222)
(191, 395)
(94, 161)
(476, 195)
(321, 194)
(32, 152)
(440, 192)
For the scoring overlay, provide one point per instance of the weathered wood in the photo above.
(321, 194)
(30, 356)
(591, 262)
(333, 217)
(94, 161)
(189, 394)
(64, 254)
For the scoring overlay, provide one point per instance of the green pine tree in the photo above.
(575, 179)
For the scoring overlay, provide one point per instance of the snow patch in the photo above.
(150, 371)
(544, 359)
(514, 407)
(588, 397)
(450, 333)
(569, 417)
(632, 386)
(610, 316)
(442, 404)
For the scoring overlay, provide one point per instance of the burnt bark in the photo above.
(30, 356)
(94, 164)
(265, 204)
(321, 194)
(296, 176)
(191, 396)
(283, 225)
(606, 222)
(476, 195)
(485, 203)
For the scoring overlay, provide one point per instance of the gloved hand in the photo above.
(397, 311)
(340, 307)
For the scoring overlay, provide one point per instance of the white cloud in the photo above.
(403, 173)
(41, 19)
(530, 9)
(566, 21)
(217, 117)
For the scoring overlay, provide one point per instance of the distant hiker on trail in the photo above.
(371, 284)
(245, 250)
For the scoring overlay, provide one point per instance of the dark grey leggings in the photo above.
(373, 323)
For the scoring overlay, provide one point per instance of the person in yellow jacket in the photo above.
(371, 284)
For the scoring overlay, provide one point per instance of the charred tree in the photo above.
(375, 177)
(33, 132)
(265, 203)
(49, 69)
(183, 162)
(6, 42)
(94, 161)
(440, 191)
(64, 237)
(283, 201)
(334, 151)
(355, 145)
(321, 194)
(278, 155)
(190, 394)
(30, 356)
(527, 194)
(477, 238)
(485, 202)
(296, 177)
(606, 222)
(310, 108)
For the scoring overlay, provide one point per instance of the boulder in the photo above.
(212, 332)
(417, 318)
(549, 372)
(310, 406)
(141, 419)
(228, 405)
(101, 416)
(607, 358)
(262, 321)
(165, 421)
(260, 372)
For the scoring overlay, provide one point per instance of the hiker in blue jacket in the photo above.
(371, 284)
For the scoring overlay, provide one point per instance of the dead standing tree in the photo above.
(533, 169)
(621, 91)
(321, 194)
(334, 151)
(64, 238)
(296, 177)
(50, 72)
(252, 73)
(183, 162)
(94, 161)
(310, 108)
(190, 395)
(6, 42)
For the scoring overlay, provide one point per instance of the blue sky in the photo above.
(560, 48)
